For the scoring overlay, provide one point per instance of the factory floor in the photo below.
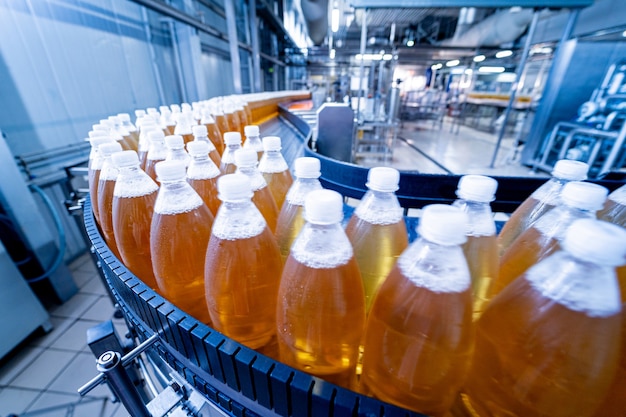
(40, 378)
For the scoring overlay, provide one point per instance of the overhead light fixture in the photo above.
(504, 54)
(436, 66)
(491, 70)
(387, 57)
(624, 33)
(411, 42)
(332, 54)
(479, 58)
(334, 20)
(368, 57)
(453, 63)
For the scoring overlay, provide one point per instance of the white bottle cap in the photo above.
(164, 109)
(207, 117)
(99, 127)
(113, 119)
(125, 159)
(199, 131)
(383, 179)
(185, 107)
(246, 157)
(198, 147)
(156, 135)
(174, 142)
(323, 207)
(271, 143)
(251, 130)
(106, 149)
(596, 241)
(584, 195)
(571, 170)
(99, 140)
(175, 108)
(170, 170)
(98, 133)
(232, 138)
(152, 110)
(307, 167)
(123, 117)
(140, 113)
(443, 224)
(233, 187)
(477, 188)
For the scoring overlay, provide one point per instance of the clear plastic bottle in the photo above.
(124, 119)
(200, 134)
(246, 162)
(275, 169)
(213, 132)
(184, 126)
(291, 219)
(614, 210)
(475, 192)
(202, 174)
(242, 267)
(232, 140)
(167, 121)
(420, 333)
(156, 153)
(220, 119)
(548, 344)
(232, 117)
(253, 140)
(542, 200)
(241, 114)
(134, 195)
(106, 184)
(179, 236)
(175, 145)
(377, 230)
(321, 305)
(578, 200)
(147, 125)
(94, 167)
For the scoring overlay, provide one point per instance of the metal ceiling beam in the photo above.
(386, 4)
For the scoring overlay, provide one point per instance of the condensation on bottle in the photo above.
(179, 236)
(548, 344)
(202, 174)
(246, 162)
(614, 210)
(94, 167)
(321, 303)
(420, 333)
(290, 218)
(578, 200)
(253, 140)
(156, 153)
(213, 132)
(134, 195)
(106, 184)
(184, 126)
(275, 169)
(242, 268)
(377, 230)
(175, 145)
(200, 134)
(232, 140)
(474, 193)
(543, 199)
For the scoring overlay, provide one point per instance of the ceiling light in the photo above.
(504, 54)
(332, 54)
(453, 63)
(436, 66)
(624, 33)
(411, 42)
(334, 20)
(491, 70)
(479, 58)
(387, 57)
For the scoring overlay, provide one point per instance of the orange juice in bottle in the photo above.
(548, 344)
(220, 119)
(242, 267)
(290, 218)
(321, 305)
(200, 134)
(232, 140)
(253, 140)
(419, 334)
(202, 174)
(246, 162)
(106, 184)
(133, 204)
(377, 230)
(614, 210)
(543, 199)
(578, 200)
(156, 153)
(234, 124)
(179, 235)
(275, 170)
(94, 166)
(175, 145)
(213, 132)
(475, 192)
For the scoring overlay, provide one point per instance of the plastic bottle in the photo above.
(548, 344)
(175, 145)
(213, 132)
(275, 170)
(321, 305)
(167, 121)
(94, 167)
(242, 267)
(220, 118)
(124, 119)
(253, 140)
(614, 210)
(156, 153)
(134, 195)
(540, 201)
(291, 219)
(578, 200)
(377, 230)
(184, 126)
(232, 140)
(147, 125)
(106, 184)
(179, 235)
(121, 134)
(200, 134)
(475, 192)
(246, 162)
(232, 117)
(241, 113)
(202, 174)
(420, 333)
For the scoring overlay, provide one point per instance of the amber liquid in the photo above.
(222, 124)
(131, 141)
(131, 223)
(243, 121)
(320, 319)
(279, 184)
(558, 364)
(521, 219)
(263, 200)
(242, 278)
(233, 124)
(613, 212)
(134, 139)
(215, 137)
(93, 179)
(169, 129)
(143, 156)
(126, 146)
(481, 253)
(215, 157)
(207, 189)
(417, 345)
(178, 244)
(288, 226)
(376, 248)
(150, 168)
(249, 118)
(105, 209)
(188, 138)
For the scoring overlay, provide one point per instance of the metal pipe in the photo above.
(231, 26)
(362, 65)
(518, 74)
(110, 364)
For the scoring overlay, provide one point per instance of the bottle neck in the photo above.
(480, 216)
(379, 207)
(322, 246)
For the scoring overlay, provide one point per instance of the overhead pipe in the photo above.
(315, 13)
